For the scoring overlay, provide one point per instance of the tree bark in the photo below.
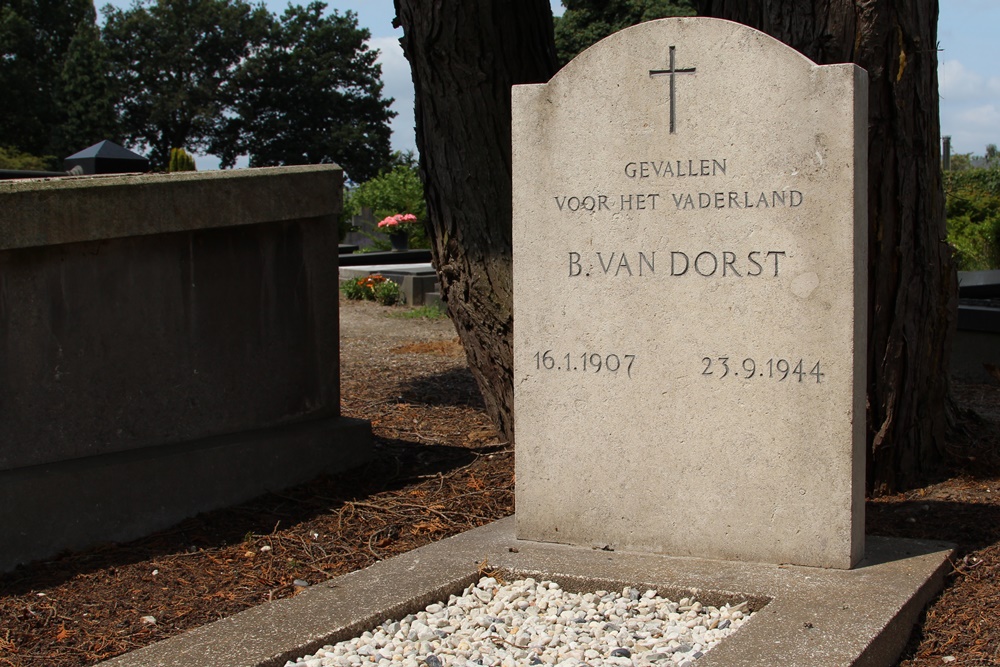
(464, 57)
(912, 280)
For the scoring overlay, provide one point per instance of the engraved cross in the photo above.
(673, 95)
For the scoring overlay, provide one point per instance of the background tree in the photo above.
(464, 57)
(586, 22)
(85, 100)
(180, 160)
(34, 38)
(961, 161)
(311, 94)
(972, 206)
(396, 191)
(11, 158)
(174, 62)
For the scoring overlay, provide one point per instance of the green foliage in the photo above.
(181, 160)
(436, 312)
(311, 94)
(11, 158)
(961, 161)
(972, 207)
(386, 293)
(586, 22)
(372, 288)
(175, 64)
(397, 191)
(35, 36)
(353, 289)
(85, 99)
(404, 159)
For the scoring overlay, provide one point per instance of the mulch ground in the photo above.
(440, 469)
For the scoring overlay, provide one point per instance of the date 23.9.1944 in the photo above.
(772, 369)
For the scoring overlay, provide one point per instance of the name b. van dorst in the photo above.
(677, 263)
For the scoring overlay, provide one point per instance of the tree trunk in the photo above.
(912, 280)
(464, 57)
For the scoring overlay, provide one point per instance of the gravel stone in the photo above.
(495, 624)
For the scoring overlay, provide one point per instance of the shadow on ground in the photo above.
(397, 463)
(971, 526)
(455, 386)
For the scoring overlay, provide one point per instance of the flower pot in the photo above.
(400, 241)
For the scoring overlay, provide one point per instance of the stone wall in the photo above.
(168, 344)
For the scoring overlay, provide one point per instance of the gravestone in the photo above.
(690, 244)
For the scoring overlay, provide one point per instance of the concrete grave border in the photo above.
(170, 346)
(812, 617)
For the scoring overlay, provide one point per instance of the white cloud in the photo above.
(958, 82)
(986, 117)
(398, 85)
(971, 127)
(970, 107)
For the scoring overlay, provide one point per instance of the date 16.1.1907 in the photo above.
(587, 362)
(772, 369)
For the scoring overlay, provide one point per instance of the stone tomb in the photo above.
(689, 298)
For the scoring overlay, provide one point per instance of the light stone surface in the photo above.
(677, 451)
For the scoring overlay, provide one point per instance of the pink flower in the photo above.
(398, 219)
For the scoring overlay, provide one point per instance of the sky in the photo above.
(968, 73)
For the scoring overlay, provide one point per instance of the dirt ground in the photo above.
(440, 469)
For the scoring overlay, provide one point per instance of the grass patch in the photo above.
(421, 313)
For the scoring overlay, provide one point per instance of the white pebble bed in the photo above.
(527, 622)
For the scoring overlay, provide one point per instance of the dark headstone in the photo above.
(412, 256)
(979, 284)
(107, 157)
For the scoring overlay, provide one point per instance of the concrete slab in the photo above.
(807, 617)
(360, 271)
(387, 257)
